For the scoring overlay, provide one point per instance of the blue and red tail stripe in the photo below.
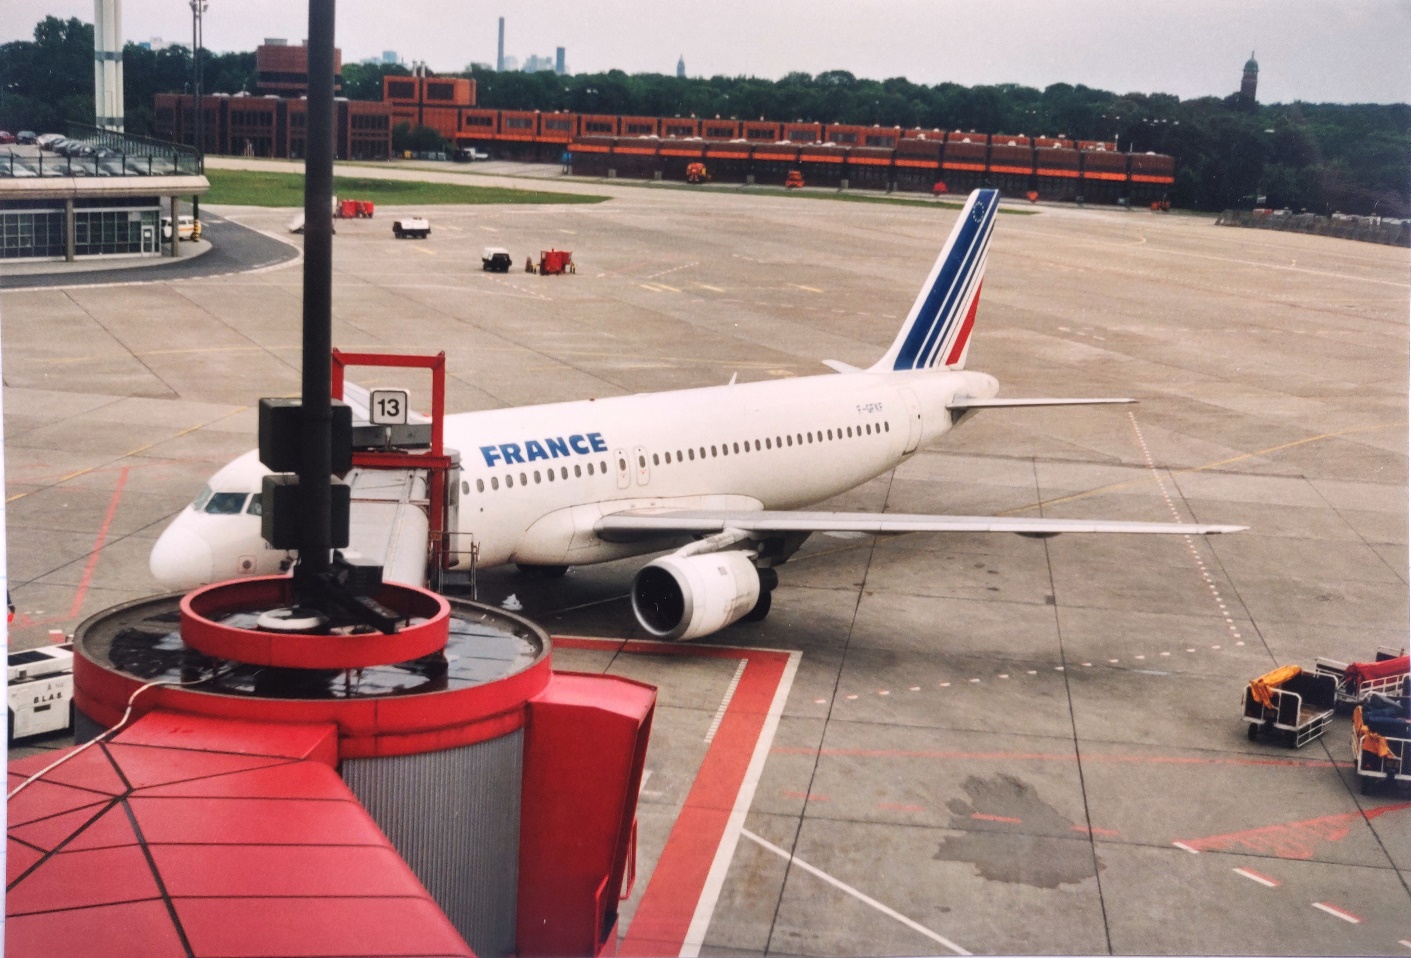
(939, 324)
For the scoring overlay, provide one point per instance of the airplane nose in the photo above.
(181, 559)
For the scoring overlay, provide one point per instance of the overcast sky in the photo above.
(1317, 50)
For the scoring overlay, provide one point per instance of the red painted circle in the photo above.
(375, 726)
(200, 609)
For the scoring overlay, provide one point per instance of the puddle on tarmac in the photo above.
(1041, 849)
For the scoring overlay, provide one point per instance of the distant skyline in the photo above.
(1313, 50)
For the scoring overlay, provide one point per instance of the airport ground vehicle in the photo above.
(187, 228)
(41, 691)
(353, 209)
(495, 259)
(468, 154)
(697, 173)
(1381, 741)
(794, 180)
(415, 227)
(1289, 703)
(556, 262)
(1357, 681)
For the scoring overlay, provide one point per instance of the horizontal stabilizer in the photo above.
(962, 403)
(634, 524)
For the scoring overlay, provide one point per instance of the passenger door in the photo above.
(624, 469)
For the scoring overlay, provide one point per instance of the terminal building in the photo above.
(106, 197)
(838, 155)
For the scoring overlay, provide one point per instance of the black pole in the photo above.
(198, 9)
(315, 466)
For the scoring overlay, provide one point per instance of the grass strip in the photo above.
(257, 188)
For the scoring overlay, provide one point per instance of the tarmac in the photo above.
(986, 744)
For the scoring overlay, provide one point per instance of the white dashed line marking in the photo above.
(1337, 912)
(1252, 875)
(1176, 517)
(725, 702)
(1185, 848)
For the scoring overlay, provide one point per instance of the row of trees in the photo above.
(1321, 157)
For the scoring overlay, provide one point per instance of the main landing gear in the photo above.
(768, 580)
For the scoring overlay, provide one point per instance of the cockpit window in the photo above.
(257, 505)
(225, 503)
(202, 499)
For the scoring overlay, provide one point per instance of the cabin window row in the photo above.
(777, 442)
(715, 451)
(539, 477)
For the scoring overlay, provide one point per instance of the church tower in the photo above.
(1250, 81)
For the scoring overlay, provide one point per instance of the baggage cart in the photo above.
(1388, 674)
(1290, 704)
(1381, 742)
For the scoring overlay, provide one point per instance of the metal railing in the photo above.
(109, 153)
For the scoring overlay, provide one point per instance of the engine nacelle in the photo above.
(686, 597)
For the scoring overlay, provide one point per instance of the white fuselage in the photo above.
(536, 479)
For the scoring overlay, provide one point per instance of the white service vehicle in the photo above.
(41, 691)
(185, 228)
(417, 227)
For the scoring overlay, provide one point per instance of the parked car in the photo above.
(25, 136)
(495, 259)
(186, 228)
(45, 140)
(6, 136)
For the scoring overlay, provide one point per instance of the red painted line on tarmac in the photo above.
(1295, 840)
(98, 545)
(982, 817)
(664, 915)
(1105, 832)
(1060, 757)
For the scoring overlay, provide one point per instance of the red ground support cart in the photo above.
(365, 209)
(347, 209)
(555, 262)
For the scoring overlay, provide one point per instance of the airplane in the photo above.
(715, 473)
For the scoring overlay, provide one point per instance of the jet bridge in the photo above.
(405, 483)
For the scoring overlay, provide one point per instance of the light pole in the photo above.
(198, 111)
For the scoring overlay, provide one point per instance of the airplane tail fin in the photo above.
(937, 330)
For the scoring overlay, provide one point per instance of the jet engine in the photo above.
(688, 596)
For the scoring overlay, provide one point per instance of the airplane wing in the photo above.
(961, 402)
(633, 524)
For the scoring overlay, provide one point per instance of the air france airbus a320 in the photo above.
(715, 471)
